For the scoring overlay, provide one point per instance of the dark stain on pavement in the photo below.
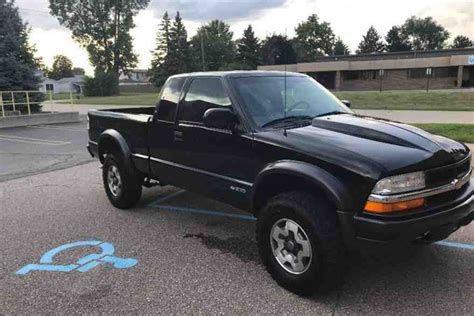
(244, 248)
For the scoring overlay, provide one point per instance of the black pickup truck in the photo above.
(319, 178)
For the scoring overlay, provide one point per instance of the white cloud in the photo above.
(349, 19)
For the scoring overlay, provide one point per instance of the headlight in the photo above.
(401, 183)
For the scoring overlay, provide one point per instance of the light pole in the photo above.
(202, 50)
(429, 71)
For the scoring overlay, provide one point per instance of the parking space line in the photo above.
(166, 197)
(33, 140)
(455, 245)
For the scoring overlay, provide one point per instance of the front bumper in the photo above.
(435, 224)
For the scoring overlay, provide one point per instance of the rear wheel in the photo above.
(123, 187)
(299, 242)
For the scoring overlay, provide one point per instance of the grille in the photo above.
(444, 175)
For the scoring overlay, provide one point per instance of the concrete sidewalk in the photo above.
(461, 117)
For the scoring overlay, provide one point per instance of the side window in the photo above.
(169, 99)
(203, 94)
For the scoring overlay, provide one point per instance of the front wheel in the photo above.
(299, 242)
(123, 187)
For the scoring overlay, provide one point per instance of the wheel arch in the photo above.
(286, 175)
(111, 140)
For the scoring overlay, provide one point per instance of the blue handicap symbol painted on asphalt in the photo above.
(85, 263)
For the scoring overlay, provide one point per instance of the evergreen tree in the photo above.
(340, 48)
(18, 65)
(179, 55)
(248, 50)
(461, 41)
(396, 40)
(159, 63)
(371, 42)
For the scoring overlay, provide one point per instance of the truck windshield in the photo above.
(264, 99)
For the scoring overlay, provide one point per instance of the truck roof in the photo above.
(239, 73)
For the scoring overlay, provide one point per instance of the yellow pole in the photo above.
(50, 95)
(13, 100)
(1, 104)
(28, 102)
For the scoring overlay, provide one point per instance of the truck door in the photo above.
(215, 162)
(161, 131)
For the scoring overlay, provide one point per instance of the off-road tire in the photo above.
(317, 217)
(131, 189)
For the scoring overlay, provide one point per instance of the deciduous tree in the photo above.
(396, 40)
(462, 41)
(215, 41)
(424, 34)
(315, 38)
(278, 50)
(62, 68)
(103, 28)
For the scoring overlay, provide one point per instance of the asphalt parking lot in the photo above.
(35, 149)
(177, 252)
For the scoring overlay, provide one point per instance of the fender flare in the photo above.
(117, 138)
(334, 189)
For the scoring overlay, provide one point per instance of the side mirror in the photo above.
(221, 118)
(346, 103)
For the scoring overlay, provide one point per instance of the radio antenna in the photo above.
(285, 58)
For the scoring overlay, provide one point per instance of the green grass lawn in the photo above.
(122, 99)
(459, 132)
(438, 100)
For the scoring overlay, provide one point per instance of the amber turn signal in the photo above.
(381, 208)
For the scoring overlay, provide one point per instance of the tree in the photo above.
(248, 50)
(424, 34)
(396, 40)
(371, 42)
(78, 71)
(103, 28)
(179, 54)
(62, 68)
(462, 41)
(18, 66)
(215, 41)
(340, 48)
(159, 65)
(278, 50)
(314, 39)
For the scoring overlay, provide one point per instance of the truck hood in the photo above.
(369, 145)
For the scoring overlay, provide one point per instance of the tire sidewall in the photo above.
(308, 280)
(110, 160)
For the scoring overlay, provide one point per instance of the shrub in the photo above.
(103, 84)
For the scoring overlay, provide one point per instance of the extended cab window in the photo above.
(169, 99)
(203, 94)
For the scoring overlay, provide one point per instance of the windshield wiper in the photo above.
(288, 118)
(332, 113)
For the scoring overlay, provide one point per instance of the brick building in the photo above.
(436, 69)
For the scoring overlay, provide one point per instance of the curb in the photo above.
(39, 119)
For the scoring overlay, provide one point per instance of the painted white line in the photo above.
(33, 140)
(60, 128)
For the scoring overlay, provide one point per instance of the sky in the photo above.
(349, 19)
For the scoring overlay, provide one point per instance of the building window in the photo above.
(360, 75)
(416, 73)
(445, 72)
(49, 87)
